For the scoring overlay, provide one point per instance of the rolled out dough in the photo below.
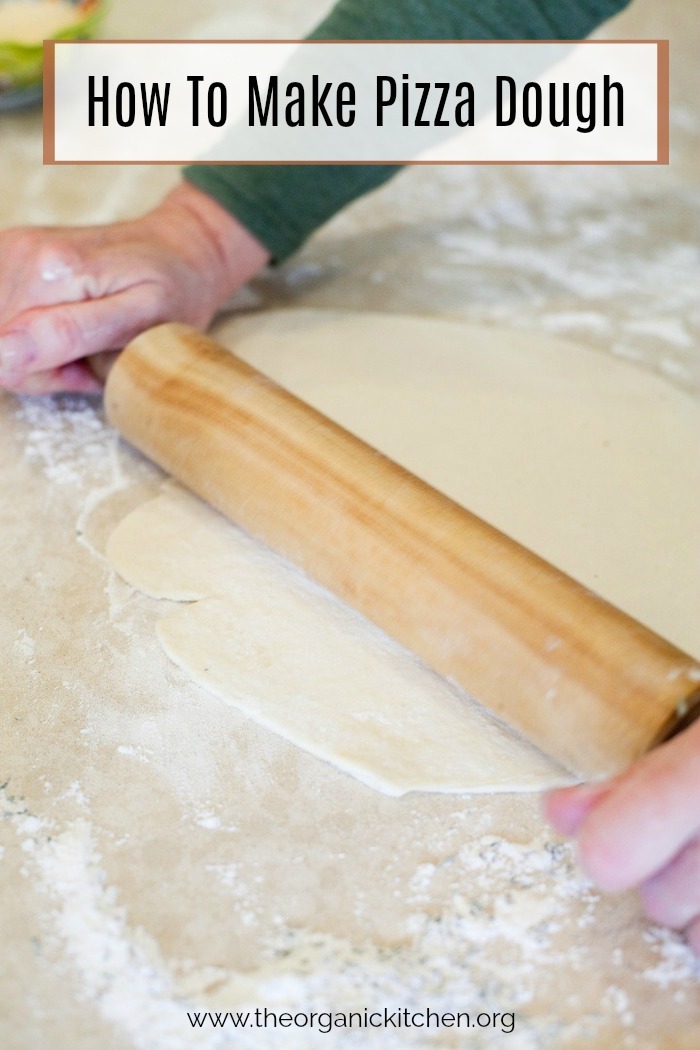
(588, 460)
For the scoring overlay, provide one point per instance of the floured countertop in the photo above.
(161, 854)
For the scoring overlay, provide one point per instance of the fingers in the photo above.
(642, 829)
(66, 294)
(672, 897)
(649, 816)
(567, 808)
(48, 338)
(42, 267)
(76, 378)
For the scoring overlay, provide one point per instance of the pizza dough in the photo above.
(587, 460)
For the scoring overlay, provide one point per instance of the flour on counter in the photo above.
(494, 947)
(64, 434)
(127, 907)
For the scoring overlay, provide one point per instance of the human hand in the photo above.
(67, 293)
(642, 829)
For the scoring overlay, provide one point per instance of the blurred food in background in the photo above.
(24, 25)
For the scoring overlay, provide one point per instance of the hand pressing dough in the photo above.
(587, 460)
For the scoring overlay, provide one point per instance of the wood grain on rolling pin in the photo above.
(582, 680)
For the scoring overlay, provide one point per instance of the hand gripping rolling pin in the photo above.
(582, 680)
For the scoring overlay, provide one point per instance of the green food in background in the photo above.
(21, 64)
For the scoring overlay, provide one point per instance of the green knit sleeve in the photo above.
(282, 205)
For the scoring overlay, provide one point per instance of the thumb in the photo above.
(76, 378)
(567, 808)
(46, 338)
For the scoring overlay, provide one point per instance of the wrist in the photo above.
(228, 253)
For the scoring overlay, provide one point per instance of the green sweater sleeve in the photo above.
(282, 205)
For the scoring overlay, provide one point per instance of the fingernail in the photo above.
(567, 808)
(15, 354)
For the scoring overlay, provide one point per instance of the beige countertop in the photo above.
(163, 854)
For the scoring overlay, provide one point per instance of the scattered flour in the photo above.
(493, 948)
(69, 441)
(604, 255)
(64, 436)
(25, 645)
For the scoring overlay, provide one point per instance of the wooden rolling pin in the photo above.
(583, 681)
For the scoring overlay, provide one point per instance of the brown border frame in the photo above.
(662, 108)
(663, 101)
(49, 103)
